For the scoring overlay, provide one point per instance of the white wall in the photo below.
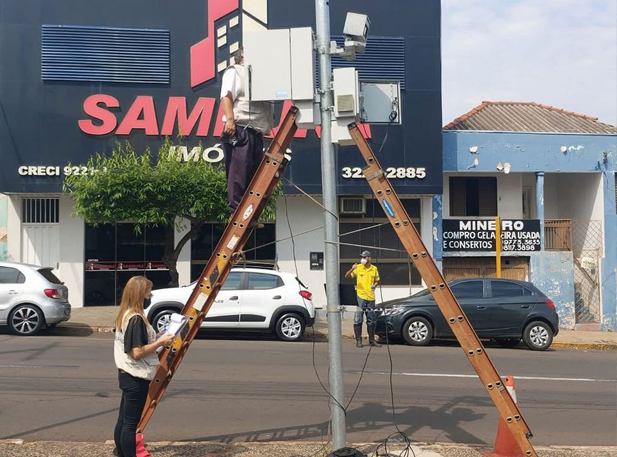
(576, 196)
(510, 195)
(72, 252)
(304, 214)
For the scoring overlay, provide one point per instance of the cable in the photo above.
(307, 195)
(364, 246)
(391, 118)
(313, 346)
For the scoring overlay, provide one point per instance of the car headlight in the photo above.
(393, 311)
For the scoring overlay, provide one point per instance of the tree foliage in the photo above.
(139, 188)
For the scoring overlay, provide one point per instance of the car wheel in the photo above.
(417, 331)
(162, 319)
(507, 342)
(26, 320)
(290, 327)
(538, 336)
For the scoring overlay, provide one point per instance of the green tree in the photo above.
(127, 186)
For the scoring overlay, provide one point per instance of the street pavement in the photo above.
(253, 391)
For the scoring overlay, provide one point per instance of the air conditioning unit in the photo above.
(353, 205)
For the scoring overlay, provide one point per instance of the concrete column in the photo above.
(608, 270)
(540, 204)
(13, 228)
(72, 252)
(436, 231)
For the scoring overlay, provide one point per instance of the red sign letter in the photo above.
(132, 121)
(176, 109)
(107, 118)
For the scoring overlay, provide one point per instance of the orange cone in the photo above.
(505, 445)
(140, 448)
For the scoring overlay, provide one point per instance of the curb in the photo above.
(80, 329)
(265, 444)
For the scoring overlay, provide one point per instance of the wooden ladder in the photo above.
(444, 298)
(225, 256)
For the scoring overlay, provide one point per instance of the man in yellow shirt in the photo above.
(367, 279)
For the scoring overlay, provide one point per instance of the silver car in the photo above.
(31, 298)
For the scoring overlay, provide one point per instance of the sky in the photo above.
(556, 52)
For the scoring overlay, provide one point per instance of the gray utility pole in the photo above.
(328, 180)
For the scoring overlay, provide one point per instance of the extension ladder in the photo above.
(444, 298)
(227, 253)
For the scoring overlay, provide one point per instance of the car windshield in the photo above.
(47, 274)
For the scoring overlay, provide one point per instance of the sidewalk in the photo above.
(95, 319)
(13, 448)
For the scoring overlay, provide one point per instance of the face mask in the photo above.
(147, 302)
(363, 261)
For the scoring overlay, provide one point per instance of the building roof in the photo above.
(527, 117)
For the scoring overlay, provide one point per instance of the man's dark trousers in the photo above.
(241, 163)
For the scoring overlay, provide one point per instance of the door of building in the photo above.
(40, 231)
(484, 267)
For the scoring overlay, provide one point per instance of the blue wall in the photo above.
(549, 152)
(552, 273)
(529, 152)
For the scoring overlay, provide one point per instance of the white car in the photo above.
(31, 298)
(250, 299)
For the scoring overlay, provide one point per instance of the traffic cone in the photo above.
(141, 449)
(505, 445)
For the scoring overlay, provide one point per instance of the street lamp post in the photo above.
(328, 177)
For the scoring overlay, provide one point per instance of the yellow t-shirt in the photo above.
(365, 278)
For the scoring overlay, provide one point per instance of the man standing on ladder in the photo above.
(246, 122)
(367, 279)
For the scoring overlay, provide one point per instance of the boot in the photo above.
(371, 336)
(357, 329)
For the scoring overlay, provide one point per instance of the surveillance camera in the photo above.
(356, 27)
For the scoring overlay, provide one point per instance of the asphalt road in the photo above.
(65, 389)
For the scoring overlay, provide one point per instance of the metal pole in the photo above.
(328, 179)
(498, 245)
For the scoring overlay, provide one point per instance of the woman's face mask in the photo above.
(364, 261)
(147, 302)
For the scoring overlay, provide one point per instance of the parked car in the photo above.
(500, 309)
(250, 299)
(31, 298)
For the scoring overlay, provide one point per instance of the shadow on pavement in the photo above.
(371, 417)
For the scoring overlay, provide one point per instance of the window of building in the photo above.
(210, 234)
(372, 231)
(115, 253)
(473, 196)
(468, 289)
(40, 210)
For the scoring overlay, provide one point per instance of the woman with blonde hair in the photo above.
(135, 348)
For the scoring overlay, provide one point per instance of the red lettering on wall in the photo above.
(133, 120)
(107, 118)
(176, 109)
